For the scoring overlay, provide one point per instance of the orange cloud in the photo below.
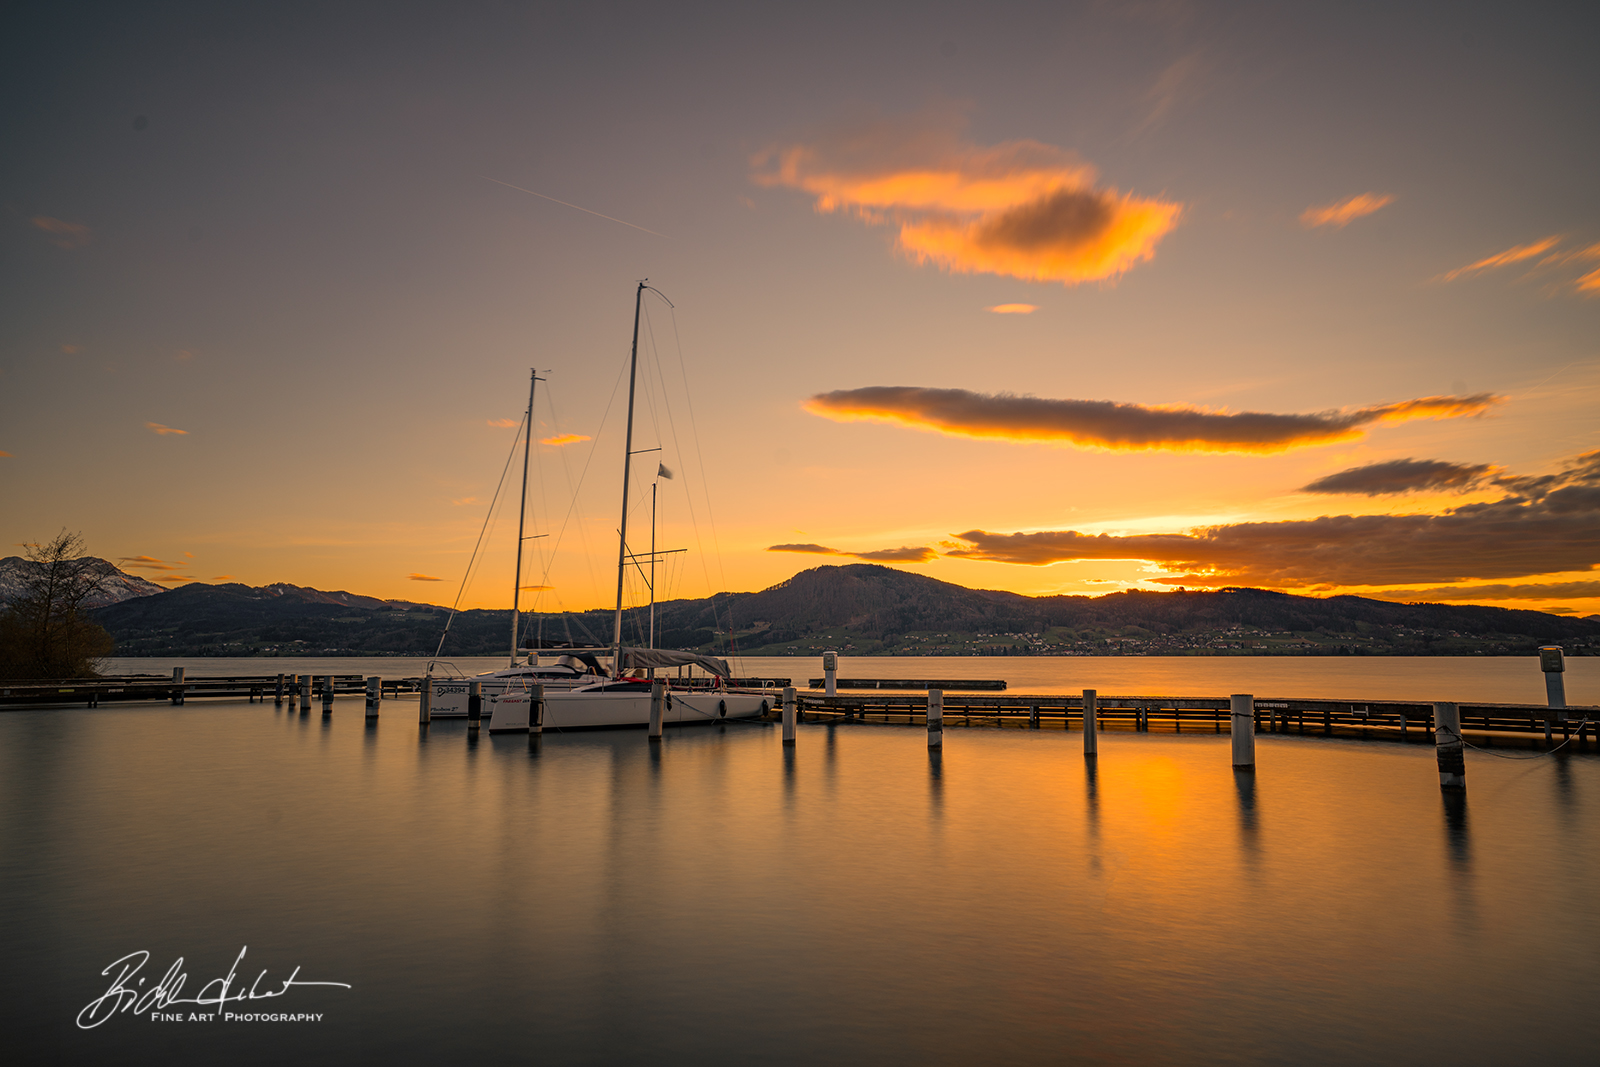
(175, 578)
(224, 578)
(6, 455)
(535, 588)
(1013, 309)
(157, 428)
(1021, 208)
(146, 563)
(1345, 211)
(1551, 591)
(464, 500)
(70, 349)
(903, 554)
(1589, 283)
(504, 424)
(63, 234)
(423, 578)
(1503, 259)
(1548, 525)
(1123, 427)
(563, 439)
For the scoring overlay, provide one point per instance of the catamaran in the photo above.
(579, 691)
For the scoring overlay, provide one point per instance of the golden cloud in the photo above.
(1013, 309)
(1022, 209)
(157, 428)
(1503, 259)
(423, 578)
(1123, 427)
(903, 554)
(1551, 591)
(224, 578)
(175, 578)
(1402, 476)
(146, 563)
(1589, 283)
(504, 424)
(6, 455)
(1550, 525)
(563, 439)
(63, 234)
(1345, 211)
(463, 500)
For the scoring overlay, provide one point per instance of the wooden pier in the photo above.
(147, 687)
(1405, 719)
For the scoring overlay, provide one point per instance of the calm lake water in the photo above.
(715, 899)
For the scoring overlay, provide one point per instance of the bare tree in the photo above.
(43, 632)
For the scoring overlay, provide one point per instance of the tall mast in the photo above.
(522, 513)
(653, 487)
(627, 463)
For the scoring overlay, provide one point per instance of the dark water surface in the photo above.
(716, 900)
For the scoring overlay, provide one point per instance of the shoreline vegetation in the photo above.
(859, 610)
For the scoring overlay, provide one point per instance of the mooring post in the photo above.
(474, 706)
(935, 718)
(425, 704)
(535, 715)
(1449, 747)
(374, 696)
(277, 698)
(177, 685)
(658, 696)
(1242, 723)
(327, 695)
(1091, 724)
(788, 715)
(1033, 716)
(305, 691)
(830, 673)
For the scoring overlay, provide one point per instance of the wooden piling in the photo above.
(474, 706)
(936, 718)
(177, 685)
(327, 695)
(658, 696)
(374, 696)
(425, 704)
(535, 715)
(1242, 720)
(789, 696)
(1449, 747)
(830, 673)
(277, 699)
(1033, 716)
(1091, 724)
(303, 684)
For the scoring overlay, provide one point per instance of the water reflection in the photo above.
(1091, 782)
(1458, 841)
(1244, 785)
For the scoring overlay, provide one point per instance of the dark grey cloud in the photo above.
(1401, 476)
(1121, 426)
(903, 554)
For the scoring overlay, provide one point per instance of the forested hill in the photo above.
(861, 609)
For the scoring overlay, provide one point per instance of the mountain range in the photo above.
(860, 609)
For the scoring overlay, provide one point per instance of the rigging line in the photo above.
(563, 203)
(672, 424)
(593, 448)
(572, 491)
(467, 577)
(705, 483)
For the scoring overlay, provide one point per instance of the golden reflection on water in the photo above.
(717, 897)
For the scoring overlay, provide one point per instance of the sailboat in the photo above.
(579, 692)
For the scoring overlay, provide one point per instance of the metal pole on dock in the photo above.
(658, 696)
(1242, 721)
(425, 704)
(177, 685)
(1449, 747)
(788, 715)
(374, 696)
(1555, 689)
(277, 699)
(327, 695)
(535, 716)
(830, 673)
(936, 718)
(304, 685)
(474, 706)
(1091, 724)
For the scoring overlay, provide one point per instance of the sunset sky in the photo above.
(1050, 298)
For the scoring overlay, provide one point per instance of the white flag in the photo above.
(662, 471)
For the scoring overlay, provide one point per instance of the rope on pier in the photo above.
(1537, 755)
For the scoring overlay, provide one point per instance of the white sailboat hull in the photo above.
(587, 710)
